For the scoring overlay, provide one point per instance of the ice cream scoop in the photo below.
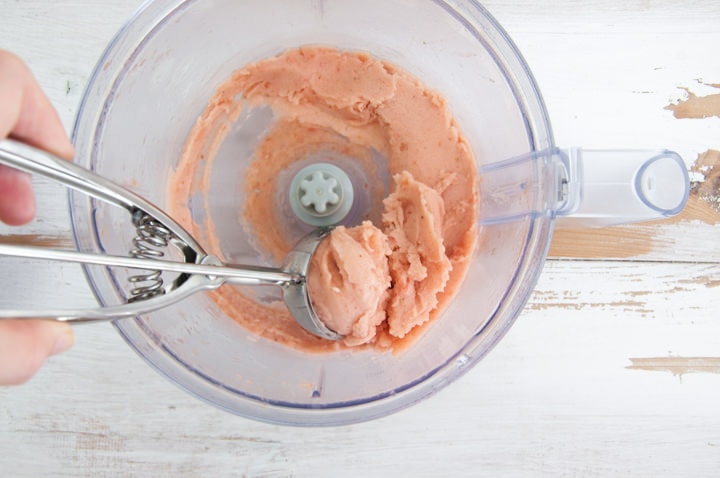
(199, 271)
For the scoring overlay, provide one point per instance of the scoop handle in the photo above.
(235, 274)
(32, 160)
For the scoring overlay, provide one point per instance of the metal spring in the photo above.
(150, 243)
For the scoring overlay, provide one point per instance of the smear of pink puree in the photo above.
(378, 284)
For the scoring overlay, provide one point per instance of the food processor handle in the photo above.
(611, 187)
(583, 187)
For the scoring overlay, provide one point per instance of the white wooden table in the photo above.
(613, 370)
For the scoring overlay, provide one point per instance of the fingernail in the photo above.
(63, 342)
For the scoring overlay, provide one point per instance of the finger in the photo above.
(26, 344)
(17, 201)
(26, 112)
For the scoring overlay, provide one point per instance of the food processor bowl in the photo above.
(154, 81)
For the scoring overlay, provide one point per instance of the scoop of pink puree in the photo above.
(349, 280)
(363, 276)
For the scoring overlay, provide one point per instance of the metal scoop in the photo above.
(199, 271)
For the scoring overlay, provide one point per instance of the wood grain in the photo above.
(686, 237)
(696, 107)
(678, 366)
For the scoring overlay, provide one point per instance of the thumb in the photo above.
(25, 344)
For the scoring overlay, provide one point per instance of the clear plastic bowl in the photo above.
(151, 85)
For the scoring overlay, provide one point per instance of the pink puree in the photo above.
(376, 283)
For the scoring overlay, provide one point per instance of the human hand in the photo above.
(26, 115)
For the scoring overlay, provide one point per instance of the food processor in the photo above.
(155, 79)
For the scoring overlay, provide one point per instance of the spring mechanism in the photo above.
(150, 243)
